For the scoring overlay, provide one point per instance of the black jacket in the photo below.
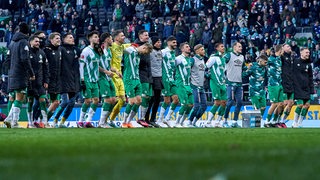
(287, 73)
(53, 55)
(40, 67)
(303, 79)
(20, 69)
(70, 74)
(144, 67)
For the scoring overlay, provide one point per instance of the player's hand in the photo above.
(45, 85)
(119, 74)
(83, 86)
(109, 73)
(32, 78)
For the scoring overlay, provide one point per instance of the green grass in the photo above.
(159, 154)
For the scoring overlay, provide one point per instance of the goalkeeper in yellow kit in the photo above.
(117, 52)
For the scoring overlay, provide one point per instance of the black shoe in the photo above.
(154, 124)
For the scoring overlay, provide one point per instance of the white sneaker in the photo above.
(15, 125)
(31, 126)
(217, 125)
(295, 125)
(166, 123)
(177, 125)
(208, 125)
(47, 125)
(104, 125)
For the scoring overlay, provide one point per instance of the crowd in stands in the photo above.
(257, 24)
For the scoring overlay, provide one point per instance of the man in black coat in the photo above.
(37, 88)
(53, 54)
(20, 72)
(287, 81)
(303, 85)
(70, 88)
(145, 78)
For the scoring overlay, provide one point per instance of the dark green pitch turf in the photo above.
(159, 154)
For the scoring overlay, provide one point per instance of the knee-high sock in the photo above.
(91, 112)
(104, 112)
(16, 111)
(29, 112)
(133, 112)
(83, 111)
(302, 115)
(116, 109)
(297, 114)
(127, 112)
(162, 111)
(44, 111)
(212, 112)
(171, 110)
(144, 106)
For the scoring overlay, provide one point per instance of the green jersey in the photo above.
(274, 71)
(217, 64)
(89, 65)
(183, 70)
(257, 75)
(131, 64)
(105, 63)
(168, 64)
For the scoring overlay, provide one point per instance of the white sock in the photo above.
(194, 121)
(44, 116)
(168, 117)
(210, 117)
(90, 115)
(183, 118)
(82, 115)
(296, 117)
(125, 117)
(301, 118)
(161, 114)
(103, 117)
(219, 118)
(10, 116)
(131, 116)
(143, 111)
(15, 115)
(178, 118)
(30, 116)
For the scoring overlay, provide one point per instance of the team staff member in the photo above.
(235, 65)
(89, 76)
(70, 74)
(20, 72)
(53, 54)
(157, 86)
(37, 88)
(197, 81)
(303, 86)
(132, 80)
(145, 77)
(216, 64)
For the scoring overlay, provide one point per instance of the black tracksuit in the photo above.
(303, 79)
(54, 57)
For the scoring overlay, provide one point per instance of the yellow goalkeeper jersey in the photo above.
(117, 53)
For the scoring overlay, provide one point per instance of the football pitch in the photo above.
(154, 154)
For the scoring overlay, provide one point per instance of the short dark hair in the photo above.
(66, 34)
(37, 33)
(277, 48)
(92, 33)
(198, 46)
(216, 45)
(104, 36)
(183, 44)
(116, 33)
(142, 31)
(32, 37)
(171, 38)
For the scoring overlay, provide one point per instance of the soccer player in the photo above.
(70, 88)
(257, 74)
(117, 53)
(303, 86)
(20, 71)
(145, 78)
(287, 82)
(132, 81)
(274, 85)
(182, 78)
(216, 64)
(89, 76)
(235, 65)
(197, 81)
(37, 88)
(107, 89)
(53, 54)
(170, 88)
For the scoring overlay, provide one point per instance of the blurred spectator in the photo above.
(168, 29)
(140, 10)
(117, 12)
